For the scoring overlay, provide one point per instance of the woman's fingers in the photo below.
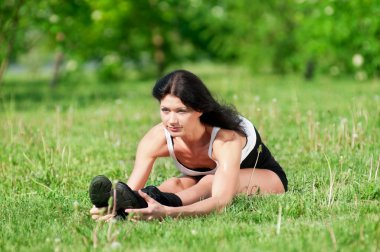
(138, 211)
(154, 211)
(97, 211)
(135, 217)
(106, 217)
(94, 210)
(146, 197)
(95, 216)
(140, 214)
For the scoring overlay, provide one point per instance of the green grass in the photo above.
(325, 133)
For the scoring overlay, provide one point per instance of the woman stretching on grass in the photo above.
(219, 153)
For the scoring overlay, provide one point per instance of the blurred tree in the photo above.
(254, 33)
(143, 32)
(302, 36)
(335, 33)
(9, 29)
(64, 26)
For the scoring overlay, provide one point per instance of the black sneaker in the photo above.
(127, 198)
(100, 191)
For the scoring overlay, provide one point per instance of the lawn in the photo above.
(325, 133)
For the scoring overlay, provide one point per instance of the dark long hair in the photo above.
(193, 93)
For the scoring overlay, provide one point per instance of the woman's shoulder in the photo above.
(227, 141)
(156, 133)
(157, 128)
(226, 135)
(154, 140)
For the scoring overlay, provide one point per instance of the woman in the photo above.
(219, 153)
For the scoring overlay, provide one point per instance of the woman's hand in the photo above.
(154, 210)
(100, 214)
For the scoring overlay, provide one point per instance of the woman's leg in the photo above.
(251, 181)
(175, 185)
(197, 192)
(262, 181)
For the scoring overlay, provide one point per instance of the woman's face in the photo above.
(177, 117)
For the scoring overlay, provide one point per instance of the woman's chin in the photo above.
(176, 133)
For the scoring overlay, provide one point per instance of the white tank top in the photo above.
(251, 142)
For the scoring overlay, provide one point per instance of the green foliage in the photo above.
(337, 37)
(341, 36)
(282, 36)
(326, 137)
(11, 27)
(111, 69)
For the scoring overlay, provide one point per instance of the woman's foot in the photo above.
(100, 191)
(127, 198)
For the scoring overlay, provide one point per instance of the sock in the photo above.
(167, 199)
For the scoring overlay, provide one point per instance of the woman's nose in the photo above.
(173, 118)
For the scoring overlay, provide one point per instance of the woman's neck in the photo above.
(198, 136)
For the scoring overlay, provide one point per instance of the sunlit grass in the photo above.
(325, 133)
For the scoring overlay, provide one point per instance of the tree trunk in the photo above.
(159, 55)
(56, 70)
(10, 42)
(309, 70)
(3, 67)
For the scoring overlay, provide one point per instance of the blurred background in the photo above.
(113, 40)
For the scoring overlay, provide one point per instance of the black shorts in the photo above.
(265, 160)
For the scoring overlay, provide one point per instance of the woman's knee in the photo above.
(172, 185)
(274, 185)
(260, 181)
(176, 184)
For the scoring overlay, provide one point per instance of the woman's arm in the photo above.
(151, 146)
(227, 152)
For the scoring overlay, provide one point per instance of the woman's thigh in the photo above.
(251, 181)
(262, 181)
(177, 184)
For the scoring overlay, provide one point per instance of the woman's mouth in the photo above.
(174, 129)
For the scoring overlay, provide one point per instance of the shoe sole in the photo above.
(100, 191)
